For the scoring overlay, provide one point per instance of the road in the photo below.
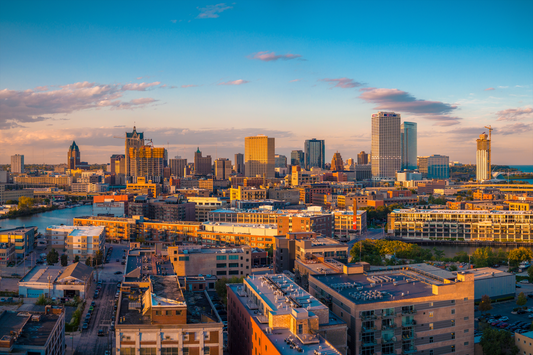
(370, 234)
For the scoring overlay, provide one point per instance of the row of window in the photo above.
(164, 351)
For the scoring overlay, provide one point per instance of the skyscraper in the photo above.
(239, 163)
(482, 158)
(315, 153)
(73, 156)
(147, 162)
(17, 163)
(336, 163)
(259, 156)
(386, 152)
(202, 165)
(408, 136)
(281, 161)
(133, 140)
(177, 167)
(434, 166)
(113, 164)
(362, 158)
(222, 168)
(298, 158)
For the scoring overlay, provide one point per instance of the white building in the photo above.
(482, 158)
(386, 148)
(82, 241)
(17, 163)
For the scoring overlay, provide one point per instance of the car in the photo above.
(93, 303)
(530, 295)
(85, 326)
(123, 262)
(518, 286)
(494, 323)
(118, 272)
(91, 308)
(503, 325)
(113, 319)
(118, 260)
(504, 318)
(101, 332)
(112, 328)
(95, 296)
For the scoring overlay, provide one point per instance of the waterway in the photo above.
(45, 219)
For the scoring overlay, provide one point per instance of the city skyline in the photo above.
(208, 75)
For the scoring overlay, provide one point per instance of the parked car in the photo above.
(101, 332)
(504, 318)
(118, 272)
(118, 260)
(85, 326)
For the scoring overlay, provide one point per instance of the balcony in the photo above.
(408, 311)
(408, 323)
(410, 350)
(369, 342)
(388, 326)
(368, 316)
(388, 315)
(387, 340)
(369, 329)
(409, 336)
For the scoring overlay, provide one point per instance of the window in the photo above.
(430, 340)
(184, 258)
(453, 348)
(206, 350)
(453, 335)
(168, 313)
(233, 264)
(466, 343)
(431, 352)
(167, 351)
(233, 272)
(233, 257)
(453, 311)
(453, 301)
(179, 313)
(466, 330)
(430, 326)
(466, 298)
(175, 259)
(221, 257)
(127, 351)
(185, 337)
(430, 314)
(466, 318)
(185, 351)
(453, 322)
(221, 273)
(148, 351)
(157, 313)
(207, 335)
(221, 265)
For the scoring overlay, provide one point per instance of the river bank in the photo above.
(27, 212)
(46, 219)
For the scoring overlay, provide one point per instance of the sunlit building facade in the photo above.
(259, 155)
(386, 148)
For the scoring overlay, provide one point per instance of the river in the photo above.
(45, 219)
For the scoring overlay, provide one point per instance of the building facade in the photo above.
(239, 164)
(73, 156)
(408, 137)
(362, 158)
(259, 155)
(147, 162)
(177, 167)
(202, 165)
(336, 162)
(22, 237)
(17, 164)
(298, 158)
(434, 166)
(482, 158)
(314, 153)
(386, 146)
(222, 168)
(133, 140)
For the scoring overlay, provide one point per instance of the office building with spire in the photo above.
(408, 137)
(386, 152)
(133, 140)
(315, 153)
(73, 156)
(482, 158)
(202, 165)
(336, 163)
(259, 156)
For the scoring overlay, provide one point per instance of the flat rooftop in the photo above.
(12, 321)
(485, 273)
(297, 213)
(241, 225)
(196, 250)
(388, 283)
(466, 212)
(166, 291)
(41, 273)
(87, 231)
(37, 333)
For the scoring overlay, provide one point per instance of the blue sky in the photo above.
(208, 74)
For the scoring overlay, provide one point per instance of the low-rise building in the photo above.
(247, 193)
(192, 260)
(203, 205)
(144, 186)
(494, 283)
(81, 241)
(345, 224)
(8, 254)
(13, 192)
(33, 332)
(169, 209)
(22, 237)
(524, 342)
(407, 309)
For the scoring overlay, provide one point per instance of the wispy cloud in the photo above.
(515, 128)
(515, 114)
(272, 56)
(173, 21)
(234, 82)
(489, 89)
(503, 87)
(212, 11)
(189, 86)
(294, 80)
(401, 101)
(344, 83)
(27, 106)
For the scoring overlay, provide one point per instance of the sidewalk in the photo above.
(71, 341)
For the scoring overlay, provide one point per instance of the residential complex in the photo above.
(204, 205)
(22, 237)
(386, 146)
(462, 224)
(8, 254)
(81, 241)
(407, 309)
(259, 156)
(408, 137)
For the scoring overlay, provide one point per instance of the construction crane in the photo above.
(489, 127)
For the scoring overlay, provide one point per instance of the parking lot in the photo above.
(504, 310)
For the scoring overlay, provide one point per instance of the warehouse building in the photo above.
(494, 283)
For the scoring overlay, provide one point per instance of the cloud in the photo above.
(515, 128)
(515, 114)
(268, 57)
(173, 21)
(503, 87)
(489, 89)
(294, 80)
(212, 11)
(344, 83)
(28, 106)
(41, 88)
(189, 86)
(234, 82)
(398, 100)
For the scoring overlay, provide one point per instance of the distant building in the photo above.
(203, 205)
(8, 254)
(239, 164)
(73, 156)
(362, 158)
(111, 205)
(492, 282)
(315, 153)
(17, 164)
(222, 168)
(148, 162)
(298, 158)
(386, 148)
(133, 140)
(177, 167)
(118, 164)
(281, 161)
(336, 163)
(408, 136)
(434, 166)
(202, 165)
(482, 158)
(259, 154)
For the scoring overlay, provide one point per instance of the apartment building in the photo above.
(169, 209)
(247, 193)
(22, 237)
(14, 194)
(253, 235)
(344, 222)
(8, 254)
(155, 317)
(465, 224)
(273, 315)
(203, 205)
(193, 260)
(142, 185)
(40, 181)
(407, 309)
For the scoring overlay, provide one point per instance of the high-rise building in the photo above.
(239, 164)
(118, 161)
(133, 140)
(315, 153)
(386, 152)
(222, 168)
(298, 158)
(434, 166)
(202, 165)
(362, 158)
(408, 136)
(177, 167)
(336, 163)
(259, 155)
(73, 156)
(148, 162)
(482, 158)
(281, 161)
(17, 163)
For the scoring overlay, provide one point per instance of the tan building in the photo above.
(40, 181)
(247, 193)
(203, 205)
(79, 241)
(336, 162)
(273, 314)
(223, 168)
(148, 162)
(415, 309)
(524, 342)
(202, 165)
(259, 156)
(192, 260)
(6, 195)
(291, 196)
(344, 223)
(256, 236)
(142, 185)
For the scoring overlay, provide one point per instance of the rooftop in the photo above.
(485, 273)
(87, 231)
(291, 213)
(241, 225)
(196, 249)
(468, 212)
(30, 328)
(43, 273)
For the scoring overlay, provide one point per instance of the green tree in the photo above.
(459, 198)
(88, 261)
(438, 253)
(453, 267)
(221, 289)
(461, 257)
(99, 257)
(522, 299)
(530, 273)
(498, 342)
(64, 259)
(41, 301)
(516, 256)
(76, 258)
(25, 203)
(485, 305)
(52, 257)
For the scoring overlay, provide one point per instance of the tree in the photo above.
(76, 258)
(438, 253)
(459, 198)
(221, 289)
(498, 342)
(99, 257)
(516, 256)
(88, 261)
(530, 273)
(522, 299)
(52, 257)
(25, 203)
(453, 267)
(485, 305)
(64, 259)
(41, 301)
(461, 257)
